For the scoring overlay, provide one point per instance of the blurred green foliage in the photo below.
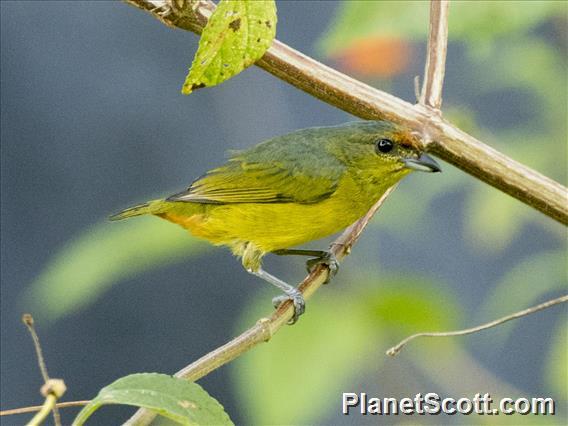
(557, 368)
(320, 355)
(475, 23)
(298, 377)
(531, 281)
(89, 265)
(303, 361)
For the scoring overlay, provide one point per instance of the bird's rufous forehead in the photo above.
(407, 138)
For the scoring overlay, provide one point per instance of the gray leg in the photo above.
(290, 292)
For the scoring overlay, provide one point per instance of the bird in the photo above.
(293, 189)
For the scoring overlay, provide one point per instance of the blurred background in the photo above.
(93, 121)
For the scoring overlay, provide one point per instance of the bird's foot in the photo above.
(328, 259)
(297, 299)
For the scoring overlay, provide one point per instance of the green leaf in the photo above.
(90, 264)
(299, 373)
(235, 37)
(177, 399)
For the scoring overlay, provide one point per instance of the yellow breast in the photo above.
(274, 226)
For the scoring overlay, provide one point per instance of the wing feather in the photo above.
(242, 180)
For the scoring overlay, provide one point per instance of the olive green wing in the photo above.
(264, 180)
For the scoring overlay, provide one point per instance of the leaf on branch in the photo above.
(176, 399)
(235, 37)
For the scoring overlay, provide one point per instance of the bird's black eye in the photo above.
(384, 145)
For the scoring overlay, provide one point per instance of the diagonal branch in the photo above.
(337, 89)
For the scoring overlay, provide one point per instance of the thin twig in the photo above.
(435, 67)
(395, 350)
(28, 320)
(35, 408)
(265, 328)
(444, 140)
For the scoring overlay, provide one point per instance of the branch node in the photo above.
(394, 351)
(54, 387)
(266, 330)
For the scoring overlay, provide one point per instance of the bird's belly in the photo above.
(275, 226)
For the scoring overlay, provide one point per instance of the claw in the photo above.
(329, 260)
(297, 299)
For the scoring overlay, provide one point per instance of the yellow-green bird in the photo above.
(293, 189)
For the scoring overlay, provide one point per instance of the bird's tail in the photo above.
(151, 207)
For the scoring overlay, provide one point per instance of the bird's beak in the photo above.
(424, 163)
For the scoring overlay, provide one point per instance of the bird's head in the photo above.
(381, 149)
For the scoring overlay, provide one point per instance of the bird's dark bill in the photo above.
(424, 163)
